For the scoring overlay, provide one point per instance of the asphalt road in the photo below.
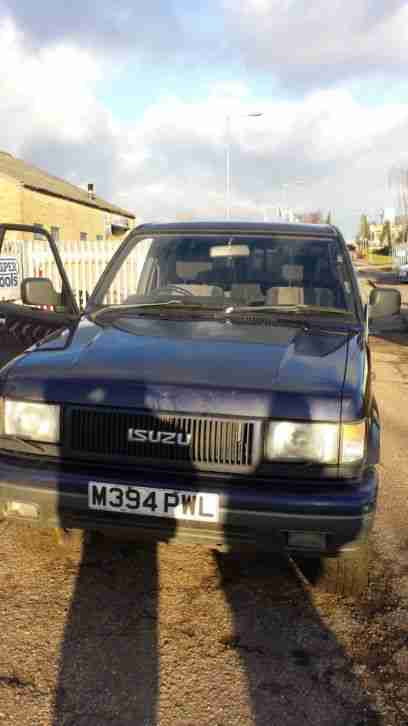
(105, 633)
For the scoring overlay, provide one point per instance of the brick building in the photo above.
(29, 195)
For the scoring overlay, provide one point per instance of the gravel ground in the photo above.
(101, 632)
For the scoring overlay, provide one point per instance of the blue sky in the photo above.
(137, 86)
(134, 97)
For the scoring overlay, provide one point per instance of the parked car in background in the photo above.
(400, 261)
(225, 401)
(403, 273)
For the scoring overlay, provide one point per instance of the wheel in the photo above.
(347, 574)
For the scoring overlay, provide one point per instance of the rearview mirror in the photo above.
(384, 302)
(230, 251)
(39, 291)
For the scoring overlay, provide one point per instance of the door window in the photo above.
(27, 259)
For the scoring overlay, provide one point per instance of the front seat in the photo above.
(285, 296)
(199, 290)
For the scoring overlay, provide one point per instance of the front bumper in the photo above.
(252, 514)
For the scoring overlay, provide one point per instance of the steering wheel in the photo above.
(173, 290)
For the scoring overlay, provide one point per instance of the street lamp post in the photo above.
(228, 160)
(228, 167)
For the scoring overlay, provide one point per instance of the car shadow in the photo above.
(296, 668)
(290, 667)
(108, 670)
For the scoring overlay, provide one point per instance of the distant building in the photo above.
(376, 230)
(278, 214)
(29, 195)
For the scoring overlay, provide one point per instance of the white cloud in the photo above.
(312, 43)
(303, 43)
(50, 114)
(97, 24)
(340, 149)
(171, 161)
(48, 91)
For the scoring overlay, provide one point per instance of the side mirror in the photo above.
(39, 291)
(384, 302)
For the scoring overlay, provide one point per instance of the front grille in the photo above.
(215, 443)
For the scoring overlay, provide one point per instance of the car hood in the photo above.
(260, 370)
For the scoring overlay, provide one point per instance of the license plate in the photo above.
(194, 506)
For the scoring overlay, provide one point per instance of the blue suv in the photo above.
(216, 389)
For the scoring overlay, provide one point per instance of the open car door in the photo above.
(36, 298)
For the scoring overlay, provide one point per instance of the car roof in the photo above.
(231, 227)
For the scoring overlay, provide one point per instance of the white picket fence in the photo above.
(400, 255)
(83, 260)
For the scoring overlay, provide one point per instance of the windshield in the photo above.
(222, 270)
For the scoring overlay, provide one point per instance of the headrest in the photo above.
(292, 273)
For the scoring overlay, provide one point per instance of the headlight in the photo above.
(35, 421)
(353, 436)
(312, 442)
(318, 443)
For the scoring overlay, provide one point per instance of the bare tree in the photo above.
(398, 181)
(385, 235)
(364, 230)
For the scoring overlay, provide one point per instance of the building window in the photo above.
(83, 236)
(55, 233)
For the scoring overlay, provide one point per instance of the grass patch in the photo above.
(375, 259)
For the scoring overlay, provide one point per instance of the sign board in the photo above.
(9, 278)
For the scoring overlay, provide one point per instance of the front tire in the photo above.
(347, 574)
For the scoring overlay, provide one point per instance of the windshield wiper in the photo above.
(220, 311)
(296, 308)
(124, 309)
